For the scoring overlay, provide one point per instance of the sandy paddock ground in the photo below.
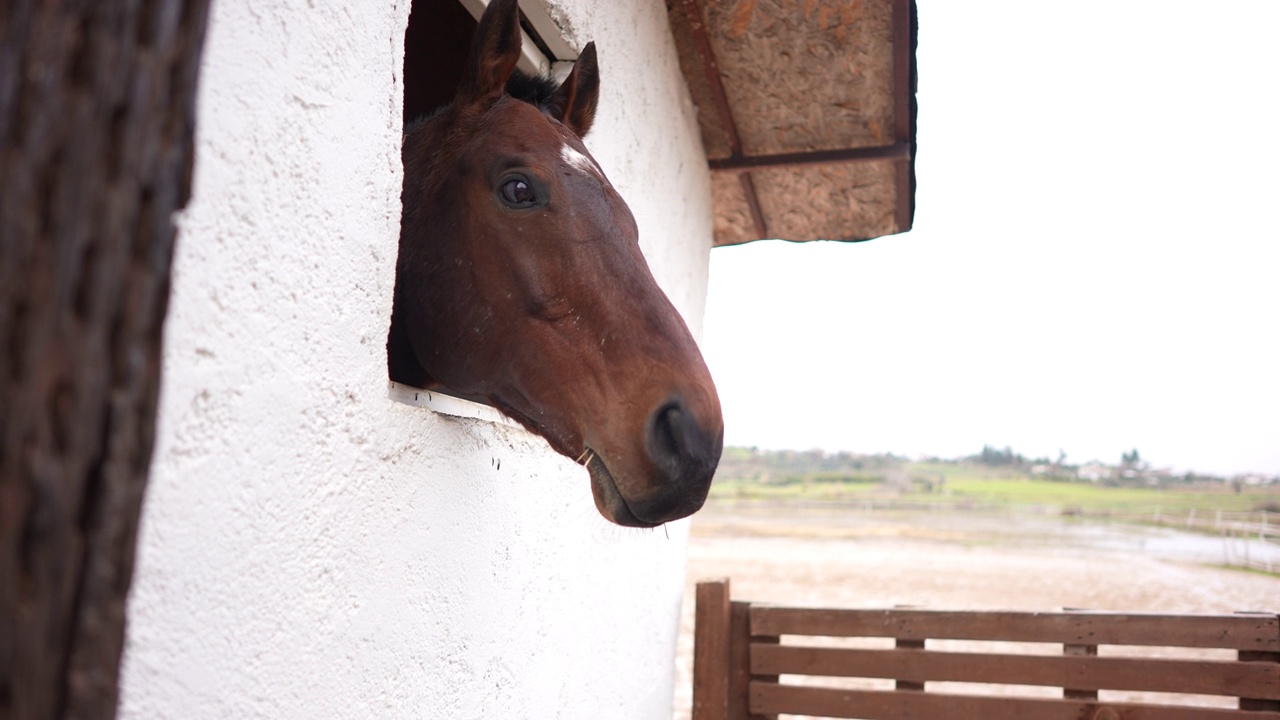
(869, 561)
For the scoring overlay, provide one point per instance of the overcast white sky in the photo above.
(1095, 264)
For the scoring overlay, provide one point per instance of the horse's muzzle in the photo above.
(682, 455)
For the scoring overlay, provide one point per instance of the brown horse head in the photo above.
(520, 280)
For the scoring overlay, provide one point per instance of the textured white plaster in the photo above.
(311, 548)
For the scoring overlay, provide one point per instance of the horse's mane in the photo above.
(537, 90)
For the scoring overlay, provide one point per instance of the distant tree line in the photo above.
(994, 457)
(790, 467)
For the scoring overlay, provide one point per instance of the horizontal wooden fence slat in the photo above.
(1084, 672)
(1258, 632)
(768, 698)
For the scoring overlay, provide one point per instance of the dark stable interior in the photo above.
(436, 45)
(435, 51)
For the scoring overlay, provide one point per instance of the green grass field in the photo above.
(1115, 499)
(964, 484)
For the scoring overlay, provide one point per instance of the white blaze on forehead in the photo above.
(580, 162)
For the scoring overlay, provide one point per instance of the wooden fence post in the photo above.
(1259, 656)
(1074, 650)
(1079, 651)
(740, 675)
(711, 651)
(901, 644)
(909, 645)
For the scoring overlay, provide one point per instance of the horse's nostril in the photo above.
(681, 449)
(668, 436)
(684, 453)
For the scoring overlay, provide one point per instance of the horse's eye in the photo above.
(516, 192)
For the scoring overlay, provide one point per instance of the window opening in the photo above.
(437, 44)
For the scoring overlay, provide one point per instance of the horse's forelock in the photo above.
(537, 90)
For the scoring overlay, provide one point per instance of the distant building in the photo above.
(1094, 472)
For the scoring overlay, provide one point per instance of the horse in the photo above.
(520, 280)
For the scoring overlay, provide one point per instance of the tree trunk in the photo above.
(96, 141)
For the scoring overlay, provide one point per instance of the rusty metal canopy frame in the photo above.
(807, 110)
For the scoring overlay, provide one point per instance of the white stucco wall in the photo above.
(312, 549)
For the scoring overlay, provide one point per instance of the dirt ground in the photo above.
(869, 560)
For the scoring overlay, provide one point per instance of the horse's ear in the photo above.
(495, 50)
(575, 100)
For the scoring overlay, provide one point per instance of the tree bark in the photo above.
(96, 141)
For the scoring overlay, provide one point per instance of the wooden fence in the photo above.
(1261, 523)
(1249, 539)
(755, 661)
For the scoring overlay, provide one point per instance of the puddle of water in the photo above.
(1011, 528)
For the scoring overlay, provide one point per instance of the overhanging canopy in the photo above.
(807, 110)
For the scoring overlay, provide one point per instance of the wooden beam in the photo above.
(904, 109)
(897, 151)
(753, 204)
(711, 71)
